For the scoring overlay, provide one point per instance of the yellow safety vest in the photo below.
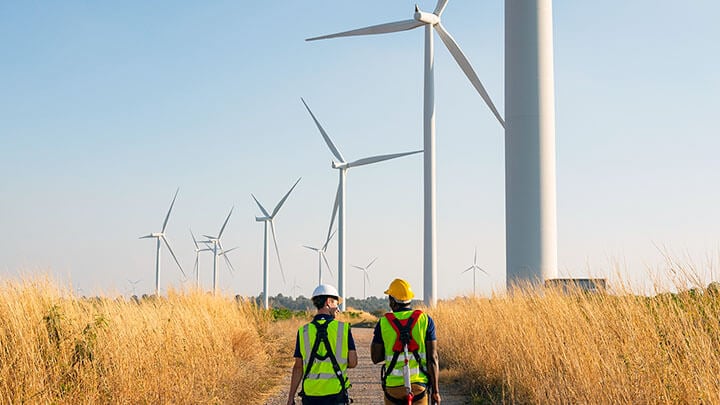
(321, 379)
(394, 377)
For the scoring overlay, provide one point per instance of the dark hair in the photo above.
(320, 300)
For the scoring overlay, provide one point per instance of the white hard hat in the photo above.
(326, 289)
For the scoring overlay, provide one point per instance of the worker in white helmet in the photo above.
(324, 350)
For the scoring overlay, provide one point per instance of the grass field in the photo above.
(183, 348)
(544, 346)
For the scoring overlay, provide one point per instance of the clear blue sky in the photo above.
(107, 108)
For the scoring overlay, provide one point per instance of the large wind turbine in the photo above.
(198, 249)
(321, 257)
(267, 220)
(365, 273)
(161, 236)
(342, 166)
(429, 21)
(474, 268)
(218, 250)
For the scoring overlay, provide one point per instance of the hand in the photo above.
(291, 401)
(435, 398)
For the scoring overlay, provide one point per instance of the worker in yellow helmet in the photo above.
(405, 340)
(324, 350)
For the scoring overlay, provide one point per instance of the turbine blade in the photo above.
(440, 7)
(209, 237)
(277, 252)
(262, 209)
(170, 210)
(375, 29)
(359, 268)
(380, 158)
(322, 254)
(227, 260)
(333, 149)
(173, 255)
(280, 204)
(228, 251)
(462, 60)
(194, 239)
(311, 248)
(367, 276)
(324, 248)
(371, 263)
(225, 223)
(196, 266)
(480, 268)
(468, 269)
(334, 212)
(146, 237)
(475, 259)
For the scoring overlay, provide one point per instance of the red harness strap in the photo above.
(407, 325)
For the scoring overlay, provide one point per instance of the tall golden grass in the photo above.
(546, 346)
(183, 348)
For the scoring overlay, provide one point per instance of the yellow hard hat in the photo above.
(400, 290)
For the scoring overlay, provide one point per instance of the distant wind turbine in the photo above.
(366, 276)
(133, 283)
(474, 268)
(267, 220)
(342, 166)
(429, 21)
(161, 236)
(321, 257)
(218, 251)
(198, 249)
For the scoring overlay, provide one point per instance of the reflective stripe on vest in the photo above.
(321, 379)
(419, 331)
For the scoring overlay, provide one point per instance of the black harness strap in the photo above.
(322, 336)
(404, 337)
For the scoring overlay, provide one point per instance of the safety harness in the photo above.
(404, 343)
(322, 337)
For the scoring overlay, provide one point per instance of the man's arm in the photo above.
(377, 353)
(433, 369)
(352, 359)
(297, 373)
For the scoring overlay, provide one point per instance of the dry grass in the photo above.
(185, 348)
(543, 346)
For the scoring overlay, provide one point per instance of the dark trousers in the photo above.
(337, 399)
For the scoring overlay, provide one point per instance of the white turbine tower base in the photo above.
(342, 166)
(530, 181)
(267, 220)
(430, 21)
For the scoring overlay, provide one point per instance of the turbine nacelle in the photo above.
(263, 219)
(427, 18)
(340, 165)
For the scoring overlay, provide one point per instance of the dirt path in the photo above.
(365, 378)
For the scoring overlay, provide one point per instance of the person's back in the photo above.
(324, 350)
(406, 335)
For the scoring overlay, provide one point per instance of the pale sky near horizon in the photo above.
(107, 108)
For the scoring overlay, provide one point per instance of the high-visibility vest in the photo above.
(321, 379)
(394, 377)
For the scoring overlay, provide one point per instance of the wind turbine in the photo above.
(161, 236)
(321, 257)
(429, 21)
(218, 251)
(198, 249)
(367, 277)
(267, 220)
(342, 166)
(475, 267)
(133, 283)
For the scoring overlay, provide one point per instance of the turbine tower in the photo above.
(198, 249)
(365, 273)
(218, 251)
(429, 21)
(339, 208)
(161, 236)
(530, 181)
(321, 257)
(267, 220)
(474, 268)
